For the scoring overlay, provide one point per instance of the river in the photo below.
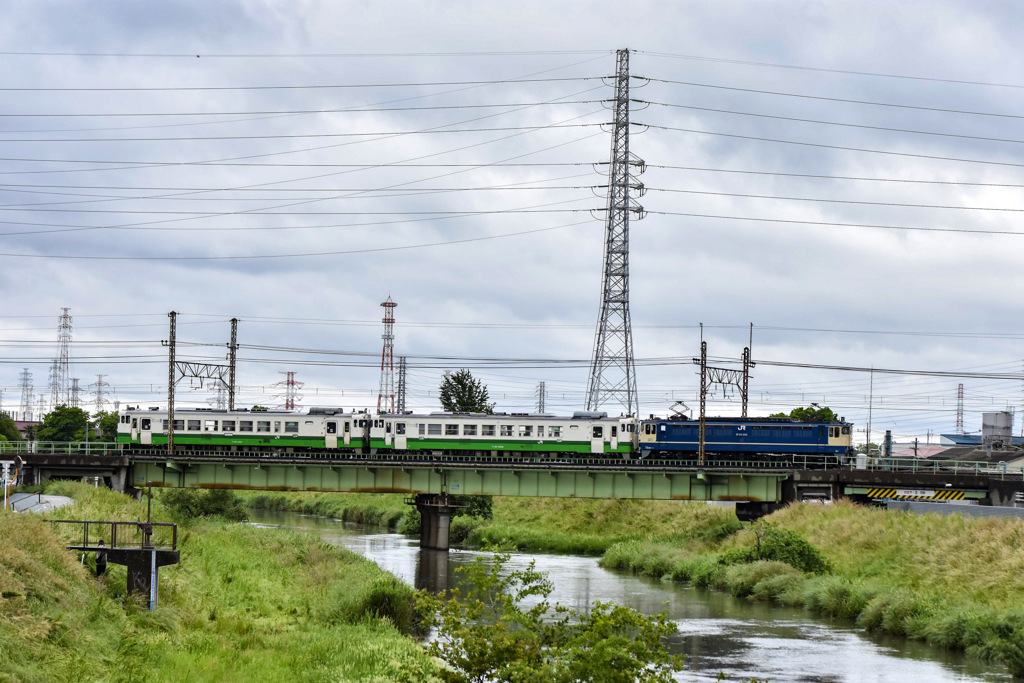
(716, 631)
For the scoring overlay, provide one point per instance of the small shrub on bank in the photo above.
(461, 527)
(780, 545)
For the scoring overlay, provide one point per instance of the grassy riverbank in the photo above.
(243, 604)
(953, 581)
(386, 510)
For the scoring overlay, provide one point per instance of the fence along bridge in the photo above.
(430, 481)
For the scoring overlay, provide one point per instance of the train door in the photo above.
(400, 442)
(615, 437)
(147, 433)
(389, 439)
(331, 441)
(597, 438)
(347, 436)
(135, 429)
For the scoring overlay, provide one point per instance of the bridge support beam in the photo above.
(435, 520)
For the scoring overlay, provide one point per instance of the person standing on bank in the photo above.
(101, 561)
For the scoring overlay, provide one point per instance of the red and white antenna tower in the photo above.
(290, 389)
(386, 397)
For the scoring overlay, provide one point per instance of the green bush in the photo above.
(462, 527)
(780, 545)
(187, 504)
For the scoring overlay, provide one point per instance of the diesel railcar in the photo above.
(319, 429)
(745, 438)
(585, 433)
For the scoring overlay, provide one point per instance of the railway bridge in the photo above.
(433, 481)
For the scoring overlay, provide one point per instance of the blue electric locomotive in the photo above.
(731, 438)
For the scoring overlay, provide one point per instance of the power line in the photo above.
(832, 177)
(876, 74)
(836, 99)
(332, 86)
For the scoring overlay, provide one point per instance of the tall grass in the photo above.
(243, 604)
(386, 510)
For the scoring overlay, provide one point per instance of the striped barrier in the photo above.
(915, 494)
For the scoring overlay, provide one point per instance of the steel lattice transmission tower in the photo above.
(401, 385)
(960, 409)
(386, 396)
(99, 388)
(75, 391)
(612, 371)
(64, 359)
(25, 378)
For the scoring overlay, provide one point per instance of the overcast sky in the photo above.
(175, 156)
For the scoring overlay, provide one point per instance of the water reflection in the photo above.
(716, 631)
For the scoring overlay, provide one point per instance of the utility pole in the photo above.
(703, 396)
(612, 371)
(401, 385)
(871, 401)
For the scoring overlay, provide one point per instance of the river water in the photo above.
(716, 631)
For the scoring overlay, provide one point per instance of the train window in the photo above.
(598, 432)
(506, 430)
(487, 430)
(262, 425)
(387, 428)
(347, 427)
(540, 431)
(555, 431)
(663, 428)
(422, 428)
(615, 431)
(277, 426)
(309, 422)
(573, 427)
(846, 429)
(145, 423)
(451, 430)
(525, 430)
(400, 428)
(193, 425)
(209, 425)
(135, 423)
(469, 430)
(228, 425)
(291, 427)
(179, 425)
(245, 426)
(434, 429)
(332, 427)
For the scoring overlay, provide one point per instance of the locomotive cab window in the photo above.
(846, 429)
(598, 432)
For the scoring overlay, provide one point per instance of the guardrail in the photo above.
(119, 534)
(924, 466)
(53, 447)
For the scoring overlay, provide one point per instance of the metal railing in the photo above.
(55, 447)
(922, 466)
(156, 535)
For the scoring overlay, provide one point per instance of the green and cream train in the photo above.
(329, 429)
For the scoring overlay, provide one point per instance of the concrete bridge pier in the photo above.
(435, 519)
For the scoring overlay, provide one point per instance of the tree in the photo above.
(63, 424)
(106, 420)
(484, 634)
(813, 413)
(8, 429)
(462, 393)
